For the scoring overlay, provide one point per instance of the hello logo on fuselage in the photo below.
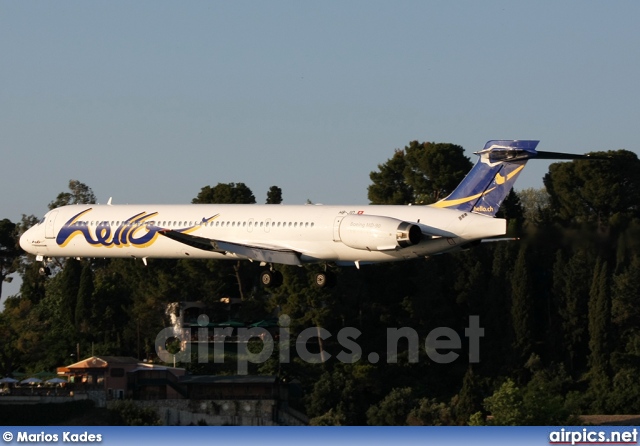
(136, 231)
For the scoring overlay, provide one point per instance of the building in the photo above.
(180, 398)
(105, 378)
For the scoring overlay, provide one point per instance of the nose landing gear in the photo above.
(44, 270)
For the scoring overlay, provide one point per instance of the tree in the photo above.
(571, 278)
(595, 190)
(511, 209)
(9, 251)
(274, 196)
(430, 412)
(389, 185)
(522, 306)
(84, 301)
(229, 193)
(535, 203)
(79, 193)
(469, 398)
(540, 402)
(434, 169)
(128, 413)
(393, 409)
(420, 173)
(19, 339)
(599, 338)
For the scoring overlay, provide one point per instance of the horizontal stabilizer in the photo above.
(563, 156)
(501, 239)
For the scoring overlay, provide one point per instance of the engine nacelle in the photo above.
(375, 233)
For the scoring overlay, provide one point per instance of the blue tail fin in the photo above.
(489, 182)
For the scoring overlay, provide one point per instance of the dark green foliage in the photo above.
(43, 414)
(572, 277)
(9, 250)
(222, 193)
(79, 193)
(128, 413)
(430, 412)
(434, 169)
(393, 409)
(274, 196)
(522, 302)
(588, 191)
(599, 338)
(83, 301)
(421, 173)
(389, 185)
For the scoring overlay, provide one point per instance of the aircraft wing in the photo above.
(261, 253)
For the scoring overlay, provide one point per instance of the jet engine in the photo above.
(375, 233)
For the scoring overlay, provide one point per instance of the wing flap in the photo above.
(262, 254)
(190, 240)
(269, 254)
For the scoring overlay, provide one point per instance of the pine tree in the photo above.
(83, 302)
(522, 307)
(599, 342)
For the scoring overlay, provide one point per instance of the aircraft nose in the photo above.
(25, 240)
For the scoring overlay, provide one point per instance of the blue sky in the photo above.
(149, 101)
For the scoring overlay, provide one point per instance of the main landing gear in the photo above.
(324, 279)
(270, 278)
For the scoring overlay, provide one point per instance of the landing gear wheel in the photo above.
(44, 271)
(270, 279)
(324, 279)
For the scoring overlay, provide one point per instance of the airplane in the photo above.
(345, 235)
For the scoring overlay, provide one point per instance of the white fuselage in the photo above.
(316, 232)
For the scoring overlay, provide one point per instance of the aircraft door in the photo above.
(250, 225)
(49, 229)
(336, 229)
(267, 225)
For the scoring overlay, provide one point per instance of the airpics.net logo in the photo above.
(441, 345)
(588, 436)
